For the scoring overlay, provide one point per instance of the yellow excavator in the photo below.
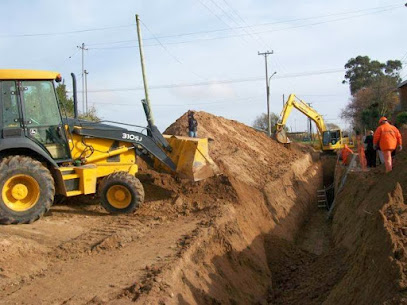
(330, 140)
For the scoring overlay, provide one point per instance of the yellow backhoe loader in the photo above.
(330, 140)
(43, 155)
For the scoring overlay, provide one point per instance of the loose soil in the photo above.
(251, 235)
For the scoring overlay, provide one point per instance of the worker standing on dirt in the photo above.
(388, 137)
(370, 152)
(192, 125)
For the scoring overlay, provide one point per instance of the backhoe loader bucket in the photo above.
(281, 135)
(191, 157)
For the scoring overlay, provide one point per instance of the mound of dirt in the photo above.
(239, 150)
(370, 221)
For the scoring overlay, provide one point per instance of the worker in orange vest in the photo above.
(345, 153)
(387, 137)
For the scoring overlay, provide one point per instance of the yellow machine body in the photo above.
(329, 139)
(100, 158)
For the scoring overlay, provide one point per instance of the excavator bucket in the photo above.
(281, 135)
(191, 157)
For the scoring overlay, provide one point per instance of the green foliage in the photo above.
(362, 72)
(65, 102)
(374, 91)
(91, 115)
(261, 121)
(370, 117)
(401, 118)
(68, 106)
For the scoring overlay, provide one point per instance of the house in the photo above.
(403, 95)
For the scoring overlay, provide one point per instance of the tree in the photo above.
(261, 121)
(368, 104)
(401, 118)
(67, 105)
(362, 72)
(332, 126)
(65, 102)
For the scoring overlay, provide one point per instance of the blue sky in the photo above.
(306, 37)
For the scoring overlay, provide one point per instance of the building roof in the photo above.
(402, 84)
(19, 74)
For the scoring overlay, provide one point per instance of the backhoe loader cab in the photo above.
(43, 155)
(30, 113)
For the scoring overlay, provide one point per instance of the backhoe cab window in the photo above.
(41, 108)
(10, 111)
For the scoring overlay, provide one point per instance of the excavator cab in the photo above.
(331, 137)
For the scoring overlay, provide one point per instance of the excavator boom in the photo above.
(329, 139)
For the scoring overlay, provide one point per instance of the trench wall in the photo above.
(227, 263)
(368, 221)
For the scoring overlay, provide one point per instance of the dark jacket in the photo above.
(369, 142)
(192, 124)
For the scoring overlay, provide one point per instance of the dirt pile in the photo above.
(370, 221)
(239, 150)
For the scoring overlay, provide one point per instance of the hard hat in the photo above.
(382, 119)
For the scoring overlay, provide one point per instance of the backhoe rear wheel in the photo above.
(121, 192)
(27, 190)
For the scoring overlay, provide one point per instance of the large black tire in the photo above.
(27, 190)
(121, 192)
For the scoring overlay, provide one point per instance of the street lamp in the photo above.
(268, 105)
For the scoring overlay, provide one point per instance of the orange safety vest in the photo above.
(346, 151)
(387, 136)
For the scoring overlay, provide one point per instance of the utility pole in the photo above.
(265, 54)
(82, 47)
(149, 113)
(86, 90)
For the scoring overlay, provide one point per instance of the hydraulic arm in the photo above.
(330, 139)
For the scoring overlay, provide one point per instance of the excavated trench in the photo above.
(269, 243)
(272, 247)
(277, 247)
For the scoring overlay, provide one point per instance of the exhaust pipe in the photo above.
(75, 96)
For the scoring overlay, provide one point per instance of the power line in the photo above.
(168, 51)
(219, 102)
(244, 34)
(67, 32)
(375, 10)
(231, 28)
(257, 38)
(228, 81)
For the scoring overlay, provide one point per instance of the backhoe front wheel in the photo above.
(121, 192)
(27, 190)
